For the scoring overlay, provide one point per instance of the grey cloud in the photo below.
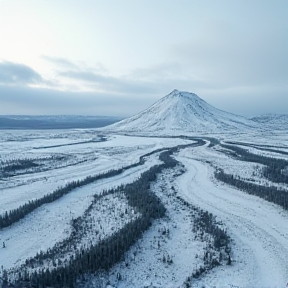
(121, 85)
(38, 101)
(60, 61)
(152, 80)
(94, 79)
(87, 76)
(63, 63)
(20, 74)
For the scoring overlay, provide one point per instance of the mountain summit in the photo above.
(180, 112)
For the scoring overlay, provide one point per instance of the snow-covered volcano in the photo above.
(182, 112)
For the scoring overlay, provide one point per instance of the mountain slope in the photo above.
(182, 112)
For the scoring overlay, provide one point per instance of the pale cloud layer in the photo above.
(15, 73)
(31, 101)
(94, 57)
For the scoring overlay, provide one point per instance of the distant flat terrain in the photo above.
(55, 121)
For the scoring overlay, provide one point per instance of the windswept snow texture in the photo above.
(182, 112)
(275, 121)
(258, 228)
(51, 222)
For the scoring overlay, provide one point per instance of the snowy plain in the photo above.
(94, 158)
(258, 229)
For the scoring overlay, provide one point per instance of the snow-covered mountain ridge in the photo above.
(277, 120)
(180, 112)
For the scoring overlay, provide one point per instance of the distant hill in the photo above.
(277, 120)
(55, 122)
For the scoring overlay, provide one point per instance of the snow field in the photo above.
(257, 227)
(247, 171)
(273, 138)
(117, 152)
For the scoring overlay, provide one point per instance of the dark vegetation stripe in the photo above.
(271, 194)
(260, 147)
(274, 167)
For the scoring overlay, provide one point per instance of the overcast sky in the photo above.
(116, 58)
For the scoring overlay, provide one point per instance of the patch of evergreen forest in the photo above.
(273, 171)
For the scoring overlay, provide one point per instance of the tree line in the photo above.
(274, 167)
(271, 194)
(261, 147)
(218, 248)
(11, 167)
